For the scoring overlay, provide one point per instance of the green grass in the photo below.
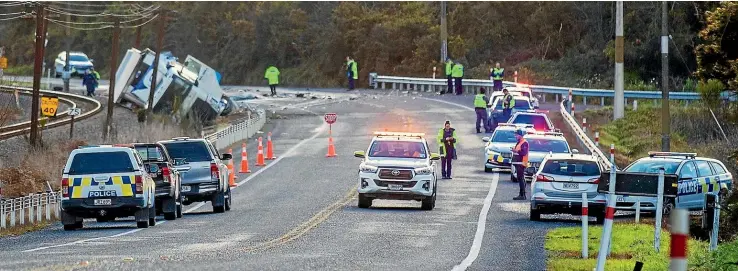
(631, 243)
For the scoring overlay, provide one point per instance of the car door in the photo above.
(688, 185)
(705, 175)
(725, 178)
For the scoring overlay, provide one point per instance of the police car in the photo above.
(697, 176)
(524, 91)
(537, 118)
(398, 166)
(497, 151)
(106, 182)
(522, 103)
(541, 144)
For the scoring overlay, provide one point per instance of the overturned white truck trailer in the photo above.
(189, 89)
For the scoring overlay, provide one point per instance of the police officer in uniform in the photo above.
(481, 102)
(352, 72)
(457, 72)
(497, 75)
(449, 68)
(272, 75)
(520, 161)
(447, 141)
(508, 103)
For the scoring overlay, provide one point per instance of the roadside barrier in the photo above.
(270, 149)
(606, 239)
(260, 154)
(331, 147)
(585, 226)
(244, 160)
(239, 131)
(679, 237)
(231, 174)
(30, 209)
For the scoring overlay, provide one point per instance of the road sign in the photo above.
(330, 118)
(49, 106)
(3, 62)
(75, 111)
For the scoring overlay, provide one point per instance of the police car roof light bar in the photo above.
(545, 133)
(399, 134)
(181, 138)
(672, 154)
(523, 125)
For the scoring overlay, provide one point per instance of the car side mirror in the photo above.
(179, 161)
(575, 151)
(359, 154)
(226, 156)
(435, 156)
(485, 139)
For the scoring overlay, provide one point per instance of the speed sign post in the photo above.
(72, 113)
(49, 106)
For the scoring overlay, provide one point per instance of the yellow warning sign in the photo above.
(3, 62)
(49, 105)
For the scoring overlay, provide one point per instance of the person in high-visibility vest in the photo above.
(447, 144)
(480, 107)
(520, 161)
(90, 81)
(449, 68)
(352, 72)
(508, 103)
(457, 72)
(497, 75)
(272, 75)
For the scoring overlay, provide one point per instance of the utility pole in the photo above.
(66, 74)
(619, 101)
(113, 71)
(159, 42)
(138, 38)
(444, 33)
(37, 66)
(665, 117)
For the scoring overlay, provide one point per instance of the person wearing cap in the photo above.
(481, 102)
(449, 79)
(447, 141)
(497, 74)
(508, 103)
(520, 161)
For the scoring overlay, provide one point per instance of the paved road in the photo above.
(299, 212)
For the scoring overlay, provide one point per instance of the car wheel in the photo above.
(487, 169)
(228, 200)
(152, 216)
(535, 215)
(142, 218)
(179, 207)
(219, 198)
(364, 202)
(600, 216)
(668, 206)
(428, 203)
(171, 205)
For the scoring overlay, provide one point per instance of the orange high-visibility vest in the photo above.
(517, 149)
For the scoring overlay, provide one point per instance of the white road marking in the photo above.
(91, 239)
(481, 227)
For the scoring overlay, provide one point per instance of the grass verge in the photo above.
(19, 230)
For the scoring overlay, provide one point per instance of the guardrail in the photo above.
(239, 131)
(582, 136)
(469, 85)
(30, 209)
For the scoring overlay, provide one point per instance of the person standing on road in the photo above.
(520, 161)
(352, 72)
(449, 68)
(457, 72)
(447, 141)
(90, 81)
(480, 107)
(497, 75)
(508, 103)
(272, 75)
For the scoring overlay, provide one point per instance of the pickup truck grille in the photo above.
(506, 155)
(387, 183)
(395, 174)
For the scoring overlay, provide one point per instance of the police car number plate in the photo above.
(185, 188)
(571, 185)
(394, 187)
(103, 202)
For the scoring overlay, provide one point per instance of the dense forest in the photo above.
(565, 43)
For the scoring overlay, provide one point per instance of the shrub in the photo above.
(710, 92)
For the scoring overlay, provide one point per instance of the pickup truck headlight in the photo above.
(367, 169)
(491, 152)
(424, 171)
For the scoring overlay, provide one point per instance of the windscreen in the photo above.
(190, 151)
(519, 105)
(398, 149)
(653, 166)
(571, 168)
(79, 58)
(539, 122)
(150, 153)
(523, 93)
(504, 136)
(100, 162)
(548, 145)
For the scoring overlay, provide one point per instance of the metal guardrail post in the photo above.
(39, 208)
(12, 213)
(23, 211)
(48, 206)
(3, 220)
(659, 211)
(57, 207)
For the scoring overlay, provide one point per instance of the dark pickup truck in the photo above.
(162, 168)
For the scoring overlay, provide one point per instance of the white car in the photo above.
(524, 91)
(537, 118)
(497, 154)
(398, 166)
(541, 144)
(559, 183)
(78, 63)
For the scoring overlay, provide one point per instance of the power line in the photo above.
(12, 4)
(13, 13)
(103, 14)
(104, 22)
(78, 28)
(152, 18)
(13, 18)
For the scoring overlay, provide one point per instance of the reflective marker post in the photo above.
(609, 215)
(715, 223)
(679, 237)
(585, 226)
(659, 211)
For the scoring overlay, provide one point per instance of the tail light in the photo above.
(594, 181)
(139, 184)
(165, 174)
(214, 172)
(544, 178)
(65, 187)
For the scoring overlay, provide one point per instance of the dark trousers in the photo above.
(482, 119)
(497, 85)
(520, 175)
(506, 113)
(446, 165)
(459, 89)
(273, 88)
(351, 82)
(450, 84)
(90, 91)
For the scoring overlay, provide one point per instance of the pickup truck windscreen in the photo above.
(190, 151)
(150, 154)
(100, 162)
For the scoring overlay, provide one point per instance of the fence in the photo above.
(582, 136)
(30, 209)
(244, 129)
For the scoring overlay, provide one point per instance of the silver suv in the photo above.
(203, 172)
(560, 182)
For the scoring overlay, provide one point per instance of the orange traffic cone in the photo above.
(260, 154)
(231, 174)
(270, 149)
(331, 148)
(244, 160)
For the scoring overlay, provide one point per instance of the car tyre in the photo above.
(172, 204)
(486, 169)
(179, 207)
(535, 215)
(220, 197)
(428, 203)
(364, 202)
(600, 216)
(228, 200)
(152, 216)
(142, 218)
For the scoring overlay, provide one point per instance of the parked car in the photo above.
(78, 63)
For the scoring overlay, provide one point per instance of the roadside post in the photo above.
(679, 237)
(659, 211)
(72, 113)
(609, 215)
(711, 218)
(585, 226)
(638, 211)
